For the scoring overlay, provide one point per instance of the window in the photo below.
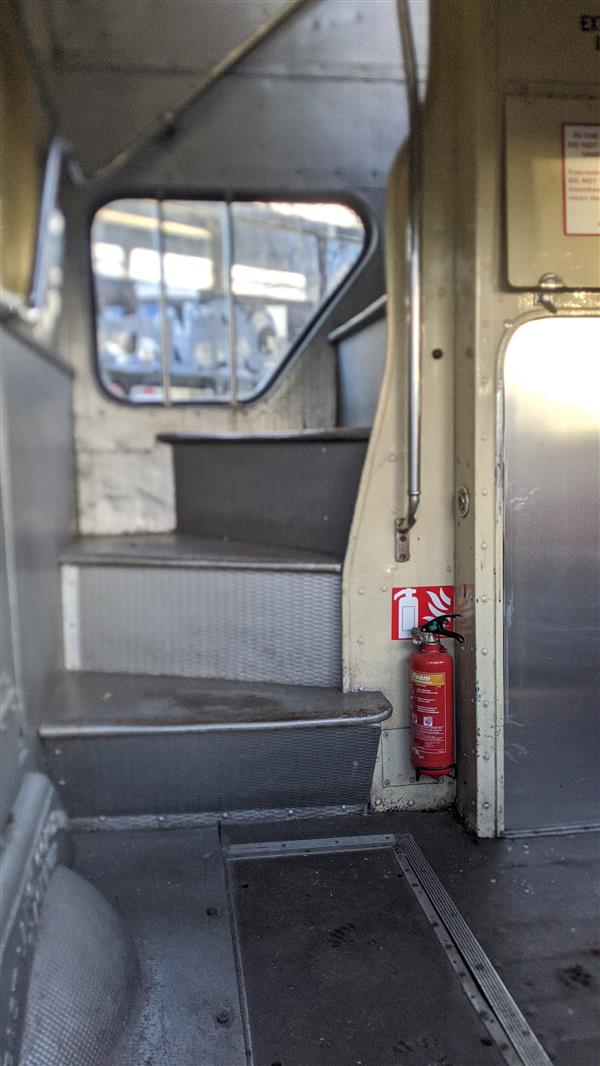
(204, 301)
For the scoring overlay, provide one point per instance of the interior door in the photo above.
(552, 574)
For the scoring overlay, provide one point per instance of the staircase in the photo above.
(203, 676)
(202, 671)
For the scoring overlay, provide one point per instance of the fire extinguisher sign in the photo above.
(412, 607)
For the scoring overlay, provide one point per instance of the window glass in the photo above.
(200, 301)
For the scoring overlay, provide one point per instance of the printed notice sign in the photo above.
(581, 179)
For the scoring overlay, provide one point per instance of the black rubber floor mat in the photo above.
(342, 968)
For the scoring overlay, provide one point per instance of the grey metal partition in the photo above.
(37, 520)
(552, 574)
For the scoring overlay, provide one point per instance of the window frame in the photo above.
(370, 242)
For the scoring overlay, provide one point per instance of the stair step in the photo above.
(186, 606)
(181, 550)
(136, 745)
(97, 704)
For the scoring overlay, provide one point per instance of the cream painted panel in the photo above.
(371, 659)
(536, 224)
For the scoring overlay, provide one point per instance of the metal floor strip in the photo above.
(513, 1022)
(457, 962)
(277, 849)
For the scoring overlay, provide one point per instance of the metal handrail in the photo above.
(413, 262)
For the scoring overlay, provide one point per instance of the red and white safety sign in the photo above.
(412, 607)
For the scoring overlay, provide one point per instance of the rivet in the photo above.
(223, 1017)
(386, 784)
(360, 640)
(392, 457)
(484, 651)
(484, 599)
(410, 803)
(361, 592)
(484, 544)
(484, 492)
(486, 703)
(486, 806)
(383, 588)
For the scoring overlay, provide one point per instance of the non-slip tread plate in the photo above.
(342, 967)
(186, 550)
(98, 703)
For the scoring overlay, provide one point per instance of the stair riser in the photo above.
(247, 625)
(214, 772)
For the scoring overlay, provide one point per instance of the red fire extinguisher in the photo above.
(432, 700)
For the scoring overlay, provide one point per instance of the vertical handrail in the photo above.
(231, 323)
(165, 332)
(413, 262)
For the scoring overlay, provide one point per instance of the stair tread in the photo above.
(92, 704)
(185, 550)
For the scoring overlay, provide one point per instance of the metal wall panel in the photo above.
(38, 501)
(552, 574)
(234, 624)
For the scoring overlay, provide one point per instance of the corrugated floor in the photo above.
(339, 964)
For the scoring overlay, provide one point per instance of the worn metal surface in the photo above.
(168, 889)
(552, 574)
(280, 492)
(327, 942)
(361, 362)
(237, 770)
(38, 507)
(233, 624)
(31, 850)
(95, 704)
(84, 978)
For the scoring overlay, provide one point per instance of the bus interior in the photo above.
(256, 807)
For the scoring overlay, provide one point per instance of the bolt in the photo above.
(213, 912)
(437, 353)
(386, 784)
(223, 1017)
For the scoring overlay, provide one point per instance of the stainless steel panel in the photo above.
(552, 573)
(234, 624)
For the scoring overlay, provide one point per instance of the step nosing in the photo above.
(57, 730)
(150, 561)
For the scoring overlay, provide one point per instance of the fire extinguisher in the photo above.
(432, 700)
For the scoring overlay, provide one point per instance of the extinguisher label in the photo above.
(427, 679)
(413, 606)
(428, 714)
